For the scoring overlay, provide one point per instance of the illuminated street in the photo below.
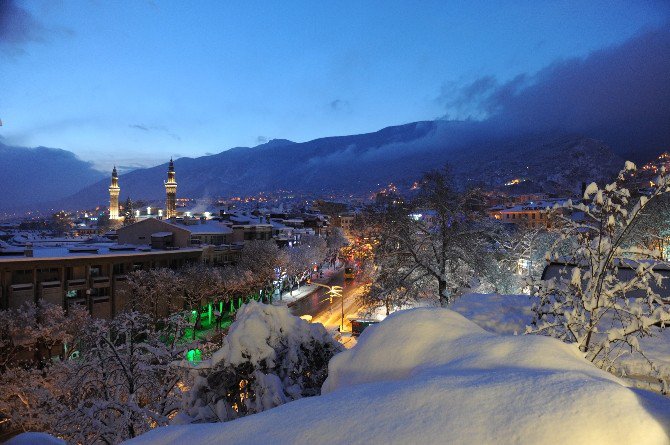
(322, 311)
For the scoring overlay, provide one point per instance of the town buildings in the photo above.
(92, 276)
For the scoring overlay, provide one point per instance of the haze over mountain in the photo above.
(29, 176)
(549, 162)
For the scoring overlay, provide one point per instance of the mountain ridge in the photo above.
(361, 163)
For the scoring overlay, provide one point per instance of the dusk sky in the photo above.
(132, 83)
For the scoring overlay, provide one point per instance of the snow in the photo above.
(34, 439)
(269, 356)
(431, 376)
(257, 332)
(510, 314)
(501, 314)
(590, 190)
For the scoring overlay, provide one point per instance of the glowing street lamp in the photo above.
(335, 292)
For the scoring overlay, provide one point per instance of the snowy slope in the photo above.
(510, 314)
(432, 376)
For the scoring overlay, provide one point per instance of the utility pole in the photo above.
(335, 292)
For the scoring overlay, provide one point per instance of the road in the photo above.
(322, 311)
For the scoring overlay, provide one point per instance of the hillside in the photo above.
(362, 163)
(32, 175)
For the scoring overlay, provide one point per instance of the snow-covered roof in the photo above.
(208, 227)
(96, 250)
(410, 380)
(532, 206)
(161, 234)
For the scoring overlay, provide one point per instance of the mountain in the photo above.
(553, 163)
(29, 176)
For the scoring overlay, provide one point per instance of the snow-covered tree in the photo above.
(34, 341)
(126, 380)
(154, 292)
(298, 264)
(34, 399)
(197, 284)
(594, 302)
(268, 358)
(443, 235)
(336, 240)
(34, 334)
(262, 259)
(503, 272)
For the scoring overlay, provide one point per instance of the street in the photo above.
(322, 311)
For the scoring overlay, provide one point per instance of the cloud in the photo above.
(340, 106)
(620, 95)
(17, 25)
(261, 140)
(155, 128)
(465, 101)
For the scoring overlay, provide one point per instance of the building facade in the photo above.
(93, 278)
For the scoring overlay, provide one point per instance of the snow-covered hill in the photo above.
(29, 176)
(367, 162)
(432, 376)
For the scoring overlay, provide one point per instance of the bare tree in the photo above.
(263, 259)
(198, 284)
(443, 235)
(155, 292)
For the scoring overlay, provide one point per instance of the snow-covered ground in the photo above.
(31, 438)
(510, 314)
(431, 376)
(502, 314)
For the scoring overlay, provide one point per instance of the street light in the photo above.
(335, 292)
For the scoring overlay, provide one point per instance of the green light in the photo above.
(194, 355)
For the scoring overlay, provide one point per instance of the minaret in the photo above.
(171, 192)
(114, 197)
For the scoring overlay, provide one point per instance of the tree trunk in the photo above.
(444, 297)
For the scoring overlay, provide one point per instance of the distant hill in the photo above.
(359, 163)
(29, 176)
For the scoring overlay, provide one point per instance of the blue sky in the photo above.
(134, 82)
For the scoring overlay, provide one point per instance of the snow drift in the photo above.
(268, 358)
(432, 376)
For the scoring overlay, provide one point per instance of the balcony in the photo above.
(51, 291)
(20, 293)
(77, 284)
(98, 282)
